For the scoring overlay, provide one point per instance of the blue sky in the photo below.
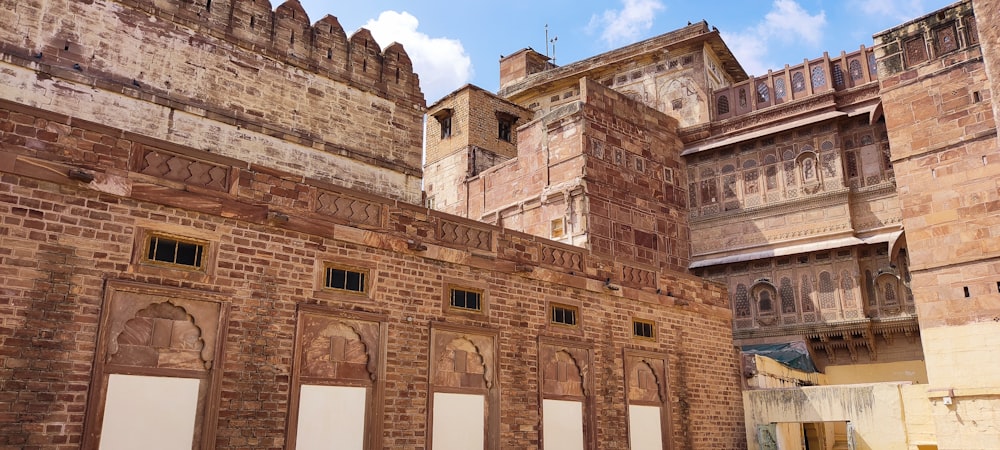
(456, 42)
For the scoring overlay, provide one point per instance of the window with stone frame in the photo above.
(805, 288)
(175, 251)
(741, 301)
(945, 39)
(798, 82)
(779, 89)
(854, 67)
(751, 176)
(564, 315)
(818, 77)
(763, 93)
(443, 117)
(787, 296)
(838, 76)
(505, 126)
(722, 105)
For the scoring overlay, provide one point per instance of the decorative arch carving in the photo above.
(160, 331)
(808, 166)
(765, 302)
(461, 363)
(161, 335)
(645, 384)
(338, 349)
(565, 371)
(887, 289)
(686, 91)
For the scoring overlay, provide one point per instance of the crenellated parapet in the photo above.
(260, 74)
(287, 33)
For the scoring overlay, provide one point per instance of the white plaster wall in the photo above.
(331, 417)
(874, 410)
(644, 428)
(562, 425)
(459, 421)
(149, 413)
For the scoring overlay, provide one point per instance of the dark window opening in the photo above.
(503, 130)
(563, 315)
(965, 289)
(445, 127)
(505, 125)
(344, 279)
(174, 251)
(444, 119)
(722, 105)
(464, 299)
(643, 329)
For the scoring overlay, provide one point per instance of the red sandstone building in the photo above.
(214, 236)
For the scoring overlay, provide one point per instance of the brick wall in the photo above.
(64, 238)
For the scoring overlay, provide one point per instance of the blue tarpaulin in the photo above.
(792, 354)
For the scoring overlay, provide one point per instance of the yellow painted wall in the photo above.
(912, 371)
(920, 431)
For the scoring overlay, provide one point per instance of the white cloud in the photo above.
(750, 50)
(791, 22)
(787, 22)
(441, 63)
(626, 25)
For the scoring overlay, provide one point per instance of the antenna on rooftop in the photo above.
(550, 41)
(554, 49)
(546, 40)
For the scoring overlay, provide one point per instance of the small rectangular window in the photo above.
(503, 130)
(563, 315)
(174, 251)
(466, 299)
(557, 228)
(343, 279)
(643, 329)
(443, 117)
(445, 127)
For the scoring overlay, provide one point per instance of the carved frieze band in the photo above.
(465, 235)
(182, 169)
(350, 209)
(560, 257)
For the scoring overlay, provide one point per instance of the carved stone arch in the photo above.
(765, 301)
(686, 91)
(128, 306)
(644, 383)
(808, 166)
(161, 335)
(339, 350)
(460, 364)
(563, 375)
(887, 289)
